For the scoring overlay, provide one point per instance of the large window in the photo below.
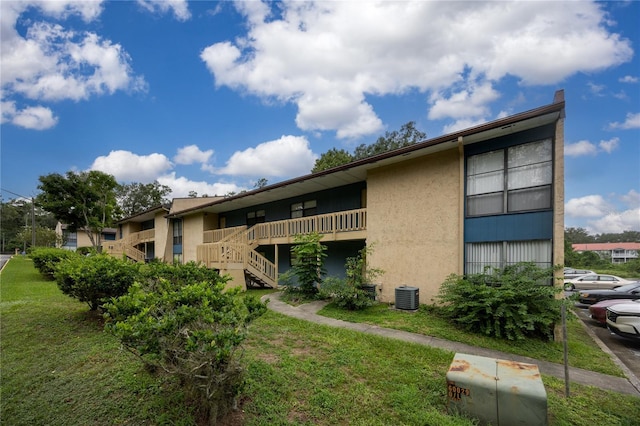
(510, 180)
(307, 208)
(502, 253)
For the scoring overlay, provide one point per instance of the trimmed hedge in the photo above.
(46, 259)
(95, 279)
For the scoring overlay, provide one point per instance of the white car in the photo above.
(571, 273)
(591, 281)
(624, 319)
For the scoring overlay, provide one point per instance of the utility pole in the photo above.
(33, 218)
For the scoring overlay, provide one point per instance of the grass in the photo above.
(60, 368)
(583, 353)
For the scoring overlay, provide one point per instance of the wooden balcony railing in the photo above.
(127, 245)
(331, 223)
(215, 235)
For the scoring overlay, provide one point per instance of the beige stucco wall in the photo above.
(558, 201)
(161, 236)
(413, 214)
(192, 235)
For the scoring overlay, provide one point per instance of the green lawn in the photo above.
(60, 368)
(583, 353)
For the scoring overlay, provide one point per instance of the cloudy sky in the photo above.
(213, 96)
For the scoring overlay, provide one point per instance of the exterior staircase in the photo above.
(127, 246)
(235, 248)
(230, 249)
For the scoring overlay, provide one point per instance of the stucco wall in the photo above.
(558, 200)
(192, 235)
(413, 220)
(161, 236)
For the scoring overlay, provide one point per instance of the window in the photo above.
(255, 217)
(510, 180)
(307, 208)
(177, 232)
(502, 253)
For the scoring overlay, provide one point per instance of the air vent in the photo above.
(407, 298)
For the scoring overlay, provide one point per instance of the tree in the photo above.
(332, 158)
(136, 197)
(578, 236)
(261, 183)
(83, 201)
(407, 135)
(17, 220)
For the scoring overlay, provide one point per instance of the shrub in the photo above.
(511, 303)
(93, 279)
(308, 266)
(192, 329)
(345, 295)
(45, 259)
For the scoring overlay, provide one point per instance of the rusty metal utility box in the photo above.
(497, 392)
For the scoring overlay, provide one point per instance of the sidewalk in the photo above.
(308, 312)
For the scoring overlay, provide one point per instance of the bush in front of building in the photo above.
(46, 259)
(190, 329)
(512, 303)
(94, 279)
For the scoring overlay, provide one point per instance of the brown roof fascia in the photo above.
(557, 106)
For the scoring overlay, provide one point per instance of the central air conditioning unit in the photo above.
(407, 298)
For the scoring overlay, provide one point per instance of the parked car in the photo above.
(586, 282)
(571, 273)
(624, 320)
(598, 311)
(629, 292)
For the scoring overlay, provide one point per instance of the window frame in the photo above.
(302, 209)
(506, 200)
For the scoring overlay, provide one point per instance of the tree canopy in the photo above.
(83, 201)
(405, 136)
(136, 197)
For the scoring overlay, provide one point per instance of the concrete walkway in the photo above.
(308, 312)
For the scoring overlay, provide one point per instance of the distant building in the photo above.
(617, 252)
(71, 240)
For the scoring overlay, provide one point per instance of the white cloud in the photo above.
(588, 206)
(580, 148)
(632, 122)
(628, 79)
(180, 8)
(129, 167)
(320, 57)
(605, 217)
(596, 89)
(51, 63)
(631, 198)
(192, 154)
(610, 145)
(583, 148)
(35, 118)
(616, 222)
(181, 186)
(285, 157)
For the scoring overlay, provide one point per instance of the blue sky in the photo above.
(213, 96)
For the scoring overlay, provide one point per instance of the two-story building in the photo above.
(490, 195)
(616, 252)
